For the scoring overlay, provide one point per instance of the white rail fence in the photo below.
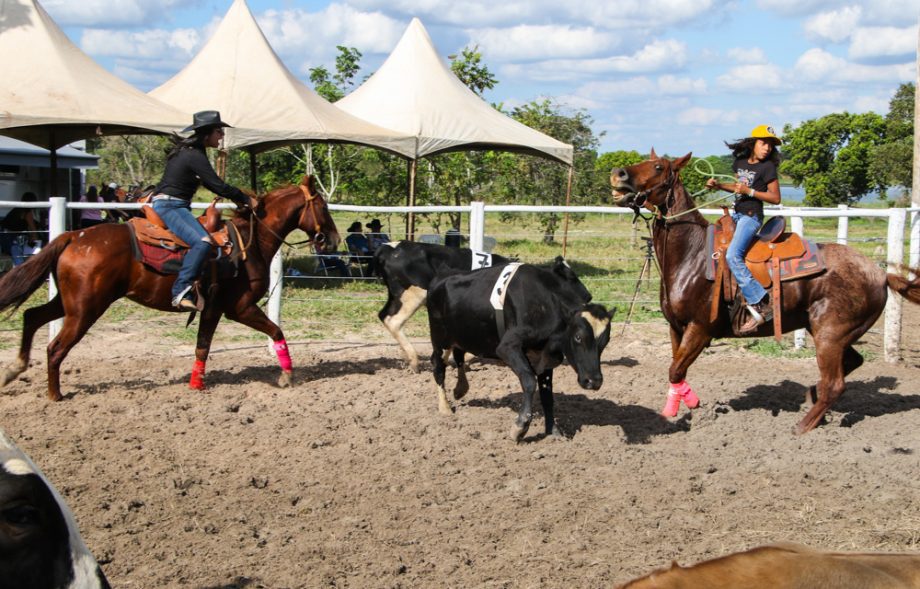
(897, 223)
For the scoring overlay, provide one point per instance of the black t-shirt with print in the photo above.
(755, 176)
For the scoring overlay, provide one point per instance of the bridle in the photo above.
(640, 198)
(310, 203)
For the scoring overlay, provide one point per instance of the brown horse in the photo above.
(836, 307)
(791, 566)
(95, 267)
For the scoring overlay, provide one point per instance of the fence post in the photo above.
(914, 257)
(798, 226)
(275, 281)
(896, 221)
(57, 224)
(477, 224)
(843, 226)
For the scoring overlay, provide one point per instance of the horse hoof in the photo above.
(445, 409)
(460, 393)
(414, 368)
(284, 380)
(518, 431)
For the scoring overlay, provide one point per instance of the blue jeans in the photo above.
(745, 229)
(179, 218)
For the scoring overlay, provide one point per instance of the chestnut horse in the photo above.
(95, 267)
(836, 307)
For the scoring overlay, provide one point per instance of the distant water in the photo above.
(797, 194)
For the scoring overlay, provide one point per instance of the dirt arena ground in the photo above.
(351, 478)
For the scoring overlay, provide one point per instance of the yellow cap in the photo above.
(765, 132)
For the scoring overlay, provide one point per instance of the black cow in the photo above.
(408, 268)
(545, 316)
(40, 546)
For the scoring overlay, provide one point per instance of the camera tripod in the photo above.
(645, 272)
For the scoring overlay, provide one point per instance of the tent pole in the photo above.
(410, 201)
(252, 169)
(568, 199)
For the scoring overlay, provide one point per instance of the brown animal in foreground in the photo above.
(791, 566)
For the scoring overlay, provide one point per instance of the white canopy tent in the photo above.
(415, 92)
(53, 94)
(238, 73)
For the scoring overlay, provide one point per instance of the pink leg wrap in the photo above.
(284, 358)
(678, 391)
(197, 380)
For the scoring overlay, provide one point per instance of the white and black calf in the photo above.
(546, 316)
(407, 268)
(40, 546)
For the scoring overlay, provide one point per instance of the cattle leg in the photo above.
(439, 369)
(32, 319)
(545, 382)
(411, 299)
(252, 316)
(463, 385)
(511, 352)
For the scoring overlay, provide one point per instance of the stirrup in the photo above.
(754, 321)
(184, 301)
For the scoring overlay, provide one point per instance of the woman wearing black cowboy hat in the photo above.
(187, 167)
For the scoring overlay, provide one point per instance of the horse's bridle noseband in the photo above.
(319, 237)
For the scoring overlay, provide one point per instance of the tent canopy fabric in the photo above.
(19, 153)
(54, 94)
(416, 93)
(238, 73)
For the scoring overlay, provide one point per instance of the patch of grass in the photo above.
(770, 348)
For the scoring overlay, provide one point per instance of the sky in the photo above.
(677, 75)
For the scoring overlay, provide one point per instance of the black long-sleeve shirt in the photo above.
(189, 168)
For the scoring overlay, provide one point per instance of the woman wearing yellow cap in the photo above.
(757, 182)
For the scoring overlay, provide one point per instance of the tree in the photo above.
(830, 157)
(892, 161)
(471, 71)
(536, 180)
(130, 160)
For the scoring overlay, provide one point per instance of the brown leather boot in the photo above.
(758, 314)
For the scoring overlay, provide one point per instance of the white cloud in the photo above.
(699, 116)
(751, 55)
(668, 55)
(819, 66)
(752, 78)
(621, 15)
(110, 13)
(629, 89)
(534, 42)
(873, 42)
(310, 38)
(834, 26)
(153, 44)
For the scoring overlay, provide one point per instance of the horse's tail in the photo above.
(19, 283)
(909, 289)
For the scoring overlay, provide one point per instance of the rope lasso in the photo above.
(711, 174)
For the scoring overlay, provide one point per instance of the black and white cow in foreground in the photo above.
(40, 546)
(408, 268)
(530, 321)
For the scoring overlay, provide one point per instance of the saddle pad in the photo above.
(156, 258)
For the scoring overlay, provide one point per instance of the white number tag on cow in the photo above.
(481, 260)
(497, 298)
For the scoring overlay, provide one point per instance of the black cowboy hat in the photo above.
(374, 224)
(205, 119)
(354, 227)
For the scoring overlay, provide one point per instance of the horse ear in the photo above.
(681, 162)
(309, 180)
(652, 155)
